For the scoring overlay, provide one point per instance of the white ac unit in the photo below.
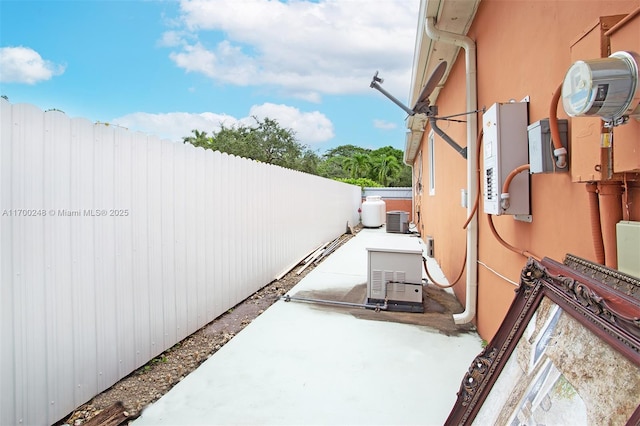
(398, 221)
(395, 274)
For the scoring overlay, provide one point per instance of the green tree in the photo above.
(266, 141)
(335, 162)
(386, 168)
(387, 150)
(402, 178)
(353, 162)
(333, 168)
(361, 182)
(308, 162)
(405, 177)
(345, 151)
(358, 165)
(198, 139)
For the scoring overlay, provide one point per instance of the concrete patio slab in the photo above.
(301, 364)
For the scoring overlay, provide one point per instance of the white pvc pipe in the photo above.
(469, 47)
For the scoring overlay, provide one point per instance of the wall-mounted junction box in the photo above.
(430, 246)
(541, 159)
(628, 238)
(463, 198)
(505, 149)
(395, 274)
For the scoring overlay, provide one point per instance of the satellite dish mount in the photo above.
(423, 105)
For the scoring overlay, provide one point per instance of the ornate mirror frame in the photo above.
(591, 328)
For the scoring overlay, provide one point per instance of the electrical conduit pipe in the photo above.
(610, 195)
(559, 151)
(504, 196)
(504, 204)
(594, 214)
(469, 47)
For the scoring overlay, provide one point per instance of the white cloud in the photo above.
(304, 48)
(174, 125)
(309, 127)
(172, 39)
(25, 65)
(226, 64)
(196, 59)
(384, 125)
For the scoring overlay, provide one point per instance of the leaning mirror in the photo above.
(568, 352)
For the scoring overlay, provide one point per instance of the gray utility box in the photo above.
(395, 274)
(505, 148)
(541, 159)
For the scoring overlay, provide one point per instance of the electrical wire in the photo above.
(476, 203)
(498, 273)
(474, 210)
(506, 244)
(490, 217)
(437, 284)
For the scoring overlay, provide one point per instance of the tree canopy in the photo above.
(383, 165)
(268, 142)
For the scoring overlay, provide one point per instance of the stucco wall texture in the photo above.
(523, 49)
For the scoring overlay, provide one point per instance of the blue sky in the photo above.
(166, 67)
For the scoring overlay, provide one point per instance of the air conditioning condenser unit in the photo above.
(398, 221)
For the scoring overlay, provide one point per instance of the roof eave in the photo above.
(454, 16)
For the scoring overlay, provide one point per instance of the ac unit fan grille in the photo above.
(397, 221)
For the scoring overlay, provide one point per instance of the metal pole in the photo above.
(377, 307)
(375, 85)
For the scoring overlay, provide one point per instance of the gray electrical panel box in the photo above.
(541, 157)
(505, 149)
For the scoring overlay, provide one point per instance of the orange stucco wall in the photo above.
(402, 205)
(523, 49)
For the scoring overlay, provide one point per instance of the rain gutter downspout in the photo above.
(469, 47)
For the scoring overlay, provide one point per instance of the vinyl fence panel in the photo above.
(115, 245)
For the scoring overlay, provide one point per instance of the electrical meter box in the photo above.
(541, 158)
(505, 149)
(395, 274)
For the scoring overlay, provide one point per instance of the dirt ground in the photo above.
(147, 384)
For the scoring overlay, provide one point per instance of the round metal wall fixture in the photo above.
(605, 87)
(422, 105)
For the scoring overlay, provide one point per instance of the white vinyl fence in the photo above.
(395, 193)
(115, 245)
